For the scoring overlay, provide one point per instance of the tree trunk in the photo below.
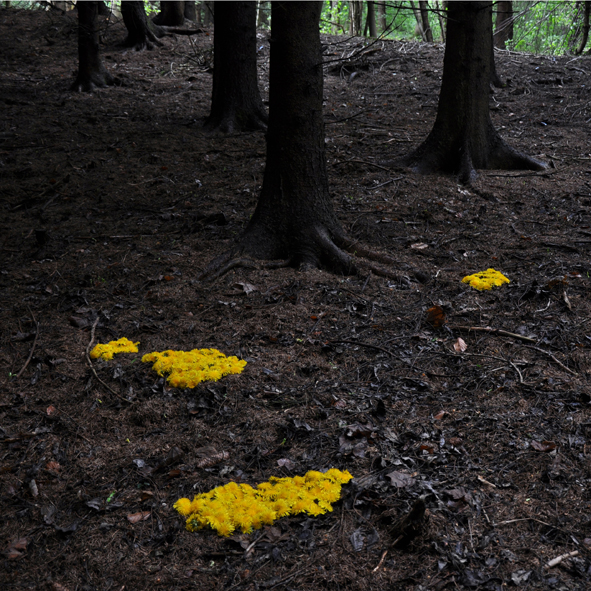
(355, 17)
(263, 15)
(584, 28)
(141, 32)
(424, 10)
(503, 24)
(294, 217)
(463, 138)
(190, 11)
(208, 13)
(236, 103)
(91, 72)
(172, 13)
(371, 19)
(382, 16)
(440, 14)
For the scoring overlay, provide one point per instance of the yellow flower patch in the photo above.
(485, 279)
(107, 351)
(186, 369)
(239, 506)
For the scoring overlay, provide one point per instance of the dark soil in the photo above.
(112, 205)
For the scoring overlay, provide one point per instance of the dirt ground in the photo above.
(114, 202)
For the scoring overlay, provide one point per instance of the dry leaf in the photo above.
(419, 246)
(137, 517)
(436, 316)
(50, 410)
(460, 345)
(440, 415)
(246, 287)
(544, 446)
(212, 460)
(53, 466)
(16, 549)
(400, 479)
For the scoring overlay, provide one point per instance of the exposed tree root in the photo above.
(319, 251)
(89, 83)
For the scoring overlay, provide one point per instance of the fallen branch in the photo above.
(570, 371)
(559, 559)
(18, 375)
(87, 354)
(496, 331)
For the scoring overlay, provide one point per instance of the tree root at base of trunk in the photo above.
(330, 253)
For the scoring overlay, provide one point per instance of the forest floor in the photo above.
(114, 202)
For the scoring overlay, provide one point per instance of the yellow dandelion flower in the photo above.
(183, 506)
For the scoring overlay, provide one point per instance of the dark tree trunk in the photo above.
(463, 138)
(208, 11)
(382, 15)
(172, 13)
(584, 28)
(103, 9)
(371, 19)
(428, 33)
(503, 24)
(294, 217)
(236, 103)
(190, 11)
(141, 33)
(91, 72)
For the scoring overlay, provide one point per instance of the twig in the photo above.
(559, 559)
(361, 162)
(18, 375)
(497, 331)
(94, 324)
(570, 371)
(377, 568)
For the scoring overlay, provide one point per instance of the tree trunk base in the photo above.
(90, 82)
(235, 121)
(439, 153)
(320, 251)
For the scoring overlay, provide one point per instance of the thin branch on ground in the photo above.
(18, 375)
(496, 331)
(570, 371)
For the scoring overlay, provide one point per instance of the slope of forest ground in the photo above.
(113, 203)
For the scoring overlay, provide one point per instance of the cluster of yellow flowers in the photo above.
(232, 506)
(485, 279)
(107, 351)
(186, 369)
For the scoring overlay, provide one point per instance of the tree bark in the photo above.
(584, 28)
(371, 19)
(503, 24)
(355, 17)
(208, 10)
(141, 32)
(463, 138)
(423, 9)
(236, 103)
(91, 72)
(190, 10)
(382, 16)
(294, 217)
(172, 13)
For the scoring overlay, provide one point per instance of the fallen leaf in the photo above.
(460, 345)
(286, 463)
(16, 548)
(440, 415)
(436, 316)
(430, 449)
(400, 479)
(50, 410)
(137, 517)
(246, 287)
(53, 466)
(419, 246)
(544, 446)
(212, 460)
